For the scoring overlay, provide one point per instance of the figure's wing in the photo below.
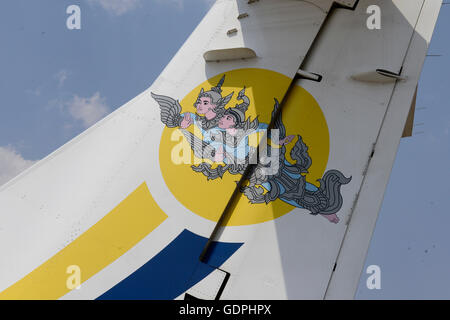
(202, 150)
(278, 122)
(299, 153)
(118, 211)
(170, 110)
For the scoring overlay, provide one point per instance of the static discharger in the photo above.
(232, 31)
(378, 76)
(242, 16)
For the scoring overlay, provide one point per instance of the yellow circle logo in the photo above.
(302, 119)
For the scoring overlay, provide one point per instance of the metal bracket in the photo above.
(309, 75)
(350, 4)
(378, 76)
(229, 54)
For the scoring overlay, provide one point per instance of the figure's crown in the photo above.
(218, 87)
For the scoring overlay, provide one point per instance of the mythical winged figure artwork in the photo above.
(225, 141)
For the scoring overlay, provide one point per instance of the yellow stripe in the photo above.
(133, 219)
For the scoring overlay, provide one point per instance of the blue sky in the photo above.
(56, 82)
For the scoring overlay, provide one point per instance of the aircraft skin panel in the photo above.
(124, 267)
(175, 269)
(95, 249)
(62, 197)
(345, 279)
(293, 257)
(279, 39)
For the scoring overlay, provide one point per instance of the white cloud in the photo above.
(117, 7)
(61, 77)
(88, 110)
(11, 164)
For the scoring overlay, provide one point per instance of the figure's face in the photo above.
(227, 122)
(204, 105)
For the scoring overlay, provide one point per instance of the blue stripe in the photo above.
(172, 271)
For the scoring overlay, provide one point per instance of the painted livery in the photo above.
(254, 167)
